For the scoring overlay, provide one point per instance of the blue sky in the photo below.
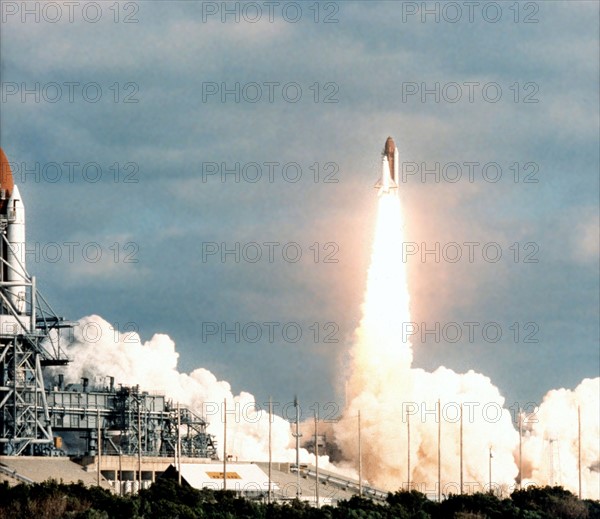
(365, 61)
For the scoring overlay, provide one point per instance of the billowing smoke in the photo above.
(98, 351)
(551, 445)
(389, 394)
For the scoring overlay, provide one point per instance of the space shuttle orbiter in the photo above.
(389, 168)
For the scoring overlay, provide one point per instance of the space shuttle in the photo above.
(13, 272)
(389, 168)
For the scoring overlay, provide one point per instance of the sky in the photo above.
(196, 168)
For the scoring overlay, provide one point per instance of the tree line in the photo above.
(166, 499)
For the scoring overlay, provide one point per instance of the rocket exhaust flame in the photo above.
(386, 304)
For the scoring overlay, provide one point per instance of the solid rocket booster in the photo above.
(389, 168)
(15, 233)
(12, 211)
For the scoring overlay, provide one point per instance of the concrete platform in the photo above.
(36, 469)
(332, 488)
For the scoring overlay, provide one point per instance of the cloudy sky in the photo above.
(121, 121)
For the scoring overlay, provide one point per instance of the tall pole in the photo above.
(297, 435)
(579, 447)
(120, 470)
(99, 449)
(461, 448)
(178, 447)
(317, 458)
(439, 453)
(139, 417)
(360, 485)
(520, 449)
(490, 469)
(408, 451)
(225, 444)
(270, 446)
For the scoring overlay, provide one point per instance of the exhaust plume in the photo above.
(389, 393)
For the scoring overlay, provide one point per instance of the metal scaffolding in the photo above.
(132, 422)
(28, 342)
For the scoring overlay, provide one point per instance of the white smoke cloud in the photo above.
(98, 351)
(550, 444)
(384, 409)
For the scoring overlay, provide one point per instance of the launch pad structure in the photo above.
(127, 421)
(39, 414)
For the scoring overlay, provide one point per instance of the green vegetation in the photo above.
(165, 499)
